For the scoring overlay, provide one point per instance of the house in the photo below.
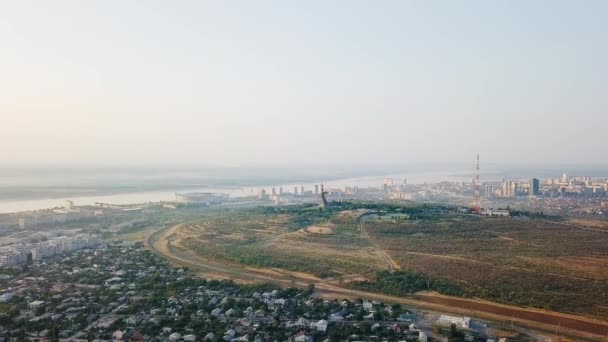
(335, 317)
(244, 322)
(301, 322)
(106, 322)
(118, 335)
(155, 320)
(367, 305)
(35, 304)
(132, 320)
(230, 312)
(321, 325)
(6, 297)
(190, 338)
(137, 336)
(301, 337)
(175, 336)
(113, 280)
(216, 312)
(458, 321)
(230, 333)
(405, 318)
(121, 308)
(209, 337)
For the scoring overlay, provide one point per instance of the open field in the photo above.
(550, 266)
(575, 326)
(526, 262)
(517, 261)
(139, 235)
(589, 223)
(327, 247)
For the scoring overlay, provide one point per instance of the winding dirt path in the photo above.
(391, 264)
(540, 320)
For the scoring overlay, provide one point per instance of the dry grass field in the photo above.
(589, 223)
(541, 274)
(518, 261)
(330, 247)
(526, 262)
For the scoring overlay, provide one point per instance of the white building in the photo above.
(6, 297)
(18, 254)
(35, 304)
(321, 325)
(448, 320)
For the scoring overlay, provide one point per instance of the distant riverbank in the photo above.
(142, 195)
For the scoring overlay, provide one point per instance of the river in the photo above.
(8, 205)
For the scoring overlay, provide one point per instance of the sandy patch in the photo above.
(321, 230)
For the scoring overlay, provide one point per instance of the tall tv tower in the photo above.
(477, 185)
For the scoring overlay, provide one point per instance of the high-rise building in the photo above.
(510, 188)
(295, 190)
(489, 190)
(316, 189)
(274, 191)
(534, 187)
(280, 190)
(301, 190)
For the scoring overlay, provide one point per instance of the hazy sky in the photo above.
(288, 82)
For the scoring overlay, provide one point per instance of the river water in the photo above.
(7, 206)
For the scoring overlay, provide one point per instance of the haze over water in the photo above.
(143, 196)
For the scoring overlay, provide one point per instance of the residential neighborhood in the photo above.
(120, 291)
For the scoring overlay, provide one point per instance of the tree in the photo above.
(454, 335)
(309, 290)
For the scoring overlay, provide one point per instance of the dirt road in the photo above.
(581, 327)
(391, 264)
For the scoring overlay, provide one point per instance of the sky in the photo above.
(241, 83)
